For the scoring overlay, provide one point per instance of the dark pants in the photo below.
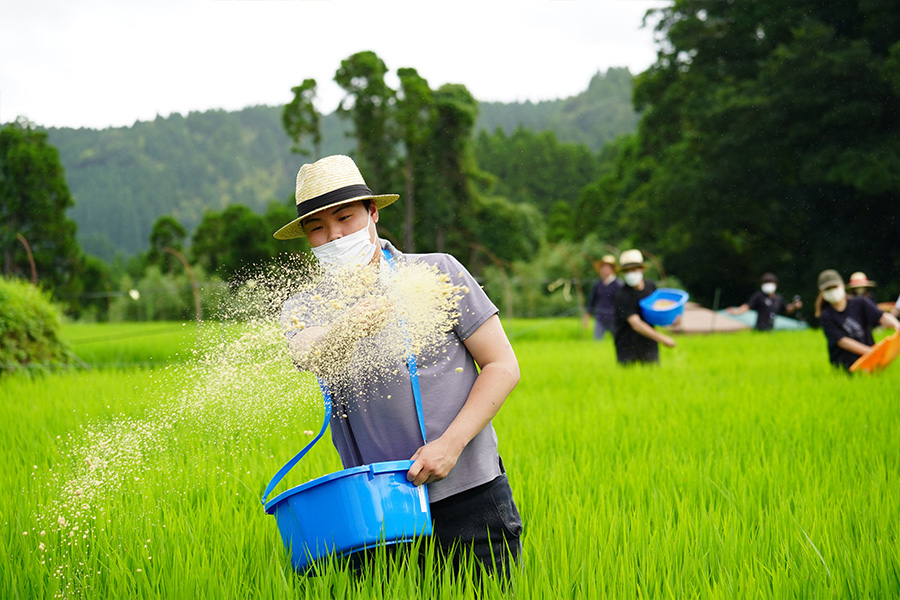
(484, 521)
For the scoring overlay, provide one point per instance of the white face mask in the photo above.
(633, 278)
(769, 288)
(834, 295)
(356, 249)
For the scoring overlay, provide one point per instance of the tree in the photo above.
(34, 198)
(766, 140)
(368, 103)
(167, 232)
(453, 167)
(301, 119)
(415, 113)
(232, 242)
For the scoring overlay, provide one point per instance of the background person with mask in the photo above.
(766, 303)
(860, 285)
(847, 321)
(635, 339)
(464, 380)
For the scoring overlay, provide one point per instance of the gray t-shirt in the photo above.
(373, 415)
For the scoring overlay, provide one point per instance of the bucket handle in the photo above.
(417, 396)
(290, 464)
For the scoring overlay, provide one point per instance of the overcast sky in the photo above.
(102, 63)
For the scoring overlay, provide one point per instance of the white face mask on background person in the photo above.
(769, 288)
(633, 278)
(356, 249)
(834, 295)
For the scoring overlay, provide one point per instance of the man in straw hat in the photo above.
(636, 340)
(601, 302)
(461, 391)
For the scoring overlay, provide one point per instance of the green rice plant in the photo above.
(741, 466)
(122, 345)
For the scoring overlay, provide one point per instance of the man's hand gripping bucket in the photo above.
(353, 509)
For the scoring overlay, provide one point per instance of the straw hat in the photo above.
(859, 280)
(326, 183)
(630, 259)
(608, 259)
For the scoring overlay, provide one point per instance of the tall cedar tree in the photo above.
(34, 198)
(368, 103)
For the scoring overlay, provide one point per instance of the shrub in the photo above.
(29, 328)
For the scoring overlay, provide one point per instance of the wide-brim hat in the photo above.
(630, 259)
(829, 278)
(608, 259)
(858, 280)
(326, 183)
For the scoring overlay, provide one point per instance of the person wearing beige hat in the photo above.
(456, 391)
(635, 339)
(601, 301)
(860, 285)
(847, 321)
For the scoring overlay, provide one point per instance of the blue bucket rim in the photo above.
(682, 297)
(379, 467)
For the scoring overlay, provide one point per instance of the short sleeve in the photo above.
(474, 305)
(833, 331)
(871, 311)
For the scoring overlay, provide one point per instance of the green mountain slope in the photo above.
(124, 178)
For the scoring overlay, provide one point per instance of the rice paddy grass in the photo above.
(742, 466)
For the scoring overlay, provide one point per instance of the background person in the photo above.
(860, 285)
(461, 389)
(635, 339)
(847, 321)
(601, 301)
(767, 304)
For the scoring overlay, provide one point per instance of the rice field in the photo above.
(741, 467)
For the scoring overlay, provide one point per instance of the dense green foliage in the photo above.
(741, 467)
(536, 167)
(29, 328)
(37, 237)
(124, 178)
(768, 142)
(592, 118)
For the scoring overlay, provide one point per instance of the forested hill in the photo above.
(592, 118)
(123, 179)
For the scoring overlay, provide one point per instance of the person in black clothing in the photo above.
(847, 321)
(635, 339)
(601, 303)
(766, 303)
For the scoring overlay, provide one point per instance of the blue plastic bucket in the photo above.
(663, 306)
(351, 510)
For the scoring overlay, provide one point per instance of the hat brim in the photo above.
(295, 230)
(642, 265)
(856, 284)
